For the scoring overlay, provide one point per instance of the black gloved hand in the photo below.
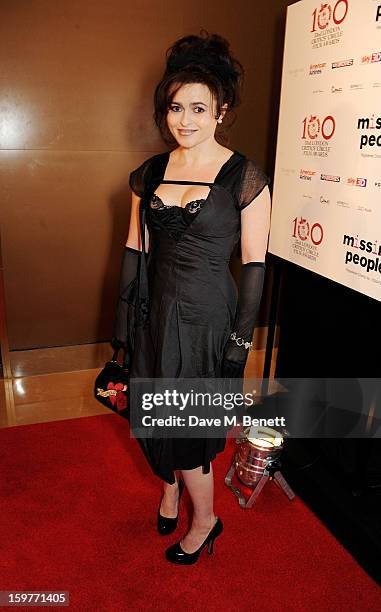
(249, 299)
(128, 275)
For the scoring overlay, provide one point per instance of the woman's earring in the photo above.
(219, 120)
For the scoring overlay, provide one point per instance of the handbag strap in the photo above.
(126, 357)
(126, 360)
(154, 178)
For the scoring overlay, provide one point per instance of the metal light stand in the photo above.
(271, 471)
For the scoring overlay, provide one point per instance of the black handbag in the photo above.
(111, 385)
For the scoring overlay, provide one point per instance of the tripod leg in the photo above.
(229, 475)
(257, 490)
(283, 484)
(236, 491)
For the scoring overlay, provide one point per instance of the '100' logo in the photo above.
(323, 16)
(312, 127)
(302, 230)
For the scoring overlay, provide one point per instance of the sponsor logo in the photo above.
(296, 71)
(303, 230)
(316, 135)
(357, 182)
(330, 177)
(329, 14)
(307, 237)
(336, 89)
(317, 68)
(288, 170)
(371, 247)
(313, 127)
(369, 123)
(342, 63)
(324, 200)
(371, 58)
(326, 23)
(306, 175)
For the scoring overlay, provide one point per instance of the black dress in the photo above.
(189, 291)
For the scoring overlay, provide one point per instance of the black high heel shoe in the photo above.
(166, 525)
(176, 554)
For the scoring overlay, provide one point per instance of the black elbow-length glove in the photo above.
(249, 299)
(128, 274)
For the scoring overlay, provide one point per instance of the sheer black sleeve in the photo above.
(140, 176)
(253, 181)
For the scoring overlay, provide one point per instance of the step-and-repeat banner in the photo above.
(326, 213)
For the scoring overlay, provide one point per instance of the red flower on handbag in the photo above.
(121, 401)
(119, 398)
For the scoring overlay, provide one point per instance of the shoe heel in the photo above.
(210, 547)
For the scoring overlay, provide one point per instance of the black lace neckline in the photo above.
(192, 206)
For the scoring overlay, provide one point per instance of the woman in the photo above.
(190, 208)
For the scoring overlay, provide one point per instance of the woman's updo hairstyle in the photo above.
(199, 59)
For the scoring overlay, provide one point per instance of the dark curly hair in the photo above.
(199, 59)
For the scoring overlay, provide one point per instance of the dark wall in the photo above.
(330, 331)
(327, 330)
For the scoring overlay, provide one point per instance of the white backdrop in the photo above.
(326, 213)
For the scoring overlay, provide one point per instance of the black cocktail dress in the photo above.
(190, 293)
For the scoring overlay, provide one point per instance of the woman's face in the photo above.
(191, 117)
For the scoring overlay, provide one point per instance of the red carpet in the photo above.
(78, 511)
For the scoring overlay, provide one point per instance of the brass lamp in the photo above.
(257, 460)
